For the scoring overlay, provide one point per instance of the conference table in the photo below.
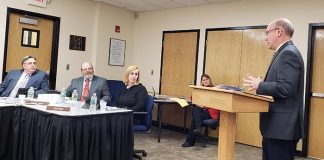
(30, 132)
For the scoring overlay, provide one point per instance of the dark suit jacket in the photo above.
(285, 83)
(38, 80)
(98, 85)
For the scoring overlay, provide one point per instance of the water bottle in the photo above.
(30, 92)
(62, 95)
(93, 102)
(74, 96)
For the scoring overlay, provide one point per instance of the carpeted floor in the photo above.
(170, 148)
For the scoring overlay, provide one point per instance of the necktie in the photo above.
(85, 91)
(22, 82)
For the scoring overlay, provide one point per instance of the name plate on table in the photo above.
(58, 108)
(35, 102)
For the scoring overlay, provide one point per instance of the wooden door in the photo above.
(47, 28)
(179, 63)
(255, 61)
(15, 51)
(179, 60)
(223, 54)
(316, 118)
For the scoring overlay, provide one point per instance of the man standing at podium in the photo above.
(281, 127)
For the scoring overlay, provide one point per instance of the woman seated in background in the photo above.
(134, 95)
(199, 114)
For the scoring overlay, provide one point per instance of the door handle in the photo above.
(320, 95)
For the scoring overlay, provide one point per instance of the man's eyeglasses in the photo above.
(30, 63)
(268, 31)
(87, 69)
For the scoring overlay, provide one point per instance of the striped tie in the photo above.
(85, 91)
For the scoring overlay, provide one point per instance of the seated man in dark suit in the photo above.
(89, 84)
(27, 77)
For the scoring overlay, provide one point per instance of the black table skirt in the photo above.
(39, 135)
(6, 132)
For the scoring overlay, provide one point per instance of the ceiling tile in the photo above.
(221, 1)
(140, 4)
(149, 5)
(165, 3)
(113, 2)
(192, 2)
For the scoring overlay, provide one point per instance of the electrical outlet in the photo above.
(67, 67)
(152, 72)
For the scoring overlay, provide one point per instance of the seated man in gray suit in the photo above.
(27, 77)
(89, 84)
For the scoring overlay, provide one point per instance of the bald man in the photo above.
(281, 127)
(88, 84)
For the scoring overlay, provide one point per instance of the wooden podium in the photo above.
(229, 103)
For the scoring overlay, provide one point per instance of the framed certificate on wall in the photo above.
(77, 43)
(117, 50)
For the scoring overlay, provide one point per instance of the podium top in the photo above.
(230, 101)
(256, 96)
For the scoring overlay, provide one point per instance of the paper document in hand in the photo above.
(182, 102)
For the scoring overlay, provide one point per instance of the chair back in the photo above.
(146, 121)
(114, 86)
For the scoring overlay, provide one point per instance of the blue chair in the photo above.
(114, 86)
(145, 123)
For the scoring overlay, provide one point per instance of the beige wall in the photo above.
(143, 31)
(150, 25)
(109, 17)
(92, 20)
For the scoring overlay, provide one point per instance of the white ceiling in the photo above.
(150, 5)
